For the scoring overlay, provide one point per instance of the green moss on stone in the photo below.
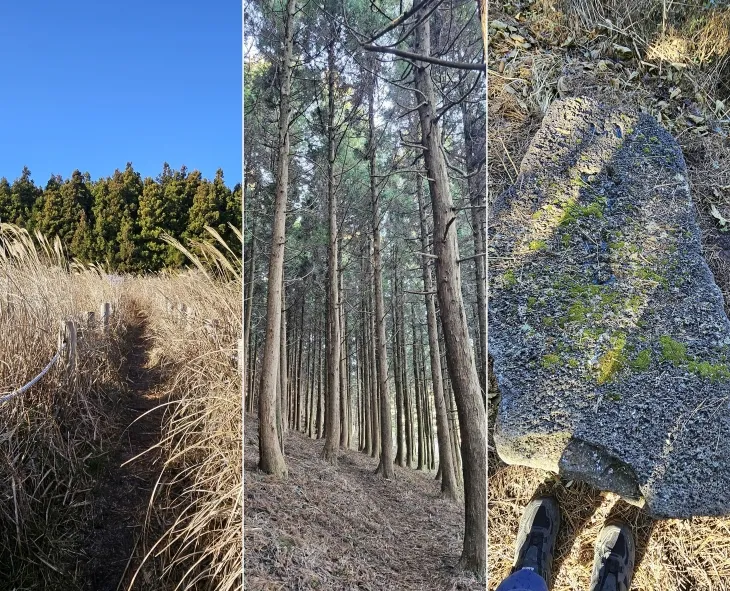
(672, 350)
(550, 360)
(642, 360)
(612, 360)
(575, 211)
(538, 245)
(510, 279)
(710, 371)
(577, 312)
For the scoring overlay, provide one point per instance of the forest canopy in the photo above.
(118, 221)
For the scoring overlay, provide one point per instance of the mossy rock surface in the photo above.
(609, 339)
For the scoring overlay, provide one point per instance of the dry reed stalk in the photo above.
(54, 430)
(199, 493)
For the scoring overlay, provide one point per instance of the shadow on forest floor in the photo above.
(346, 528)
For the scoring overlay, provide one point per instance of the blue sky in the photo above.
(94, 84)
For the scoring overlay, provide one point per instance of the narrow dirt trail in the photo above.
(122, 492)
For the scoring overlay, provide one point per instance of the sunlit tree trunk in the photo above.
(449, 487)
(385, 467)
(463, 373)
(271, 457)
(330, 451)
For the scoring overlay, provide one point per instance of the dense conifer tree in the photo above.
(118, 220)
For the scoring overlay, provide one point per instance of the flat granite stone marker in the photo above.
(610, 343)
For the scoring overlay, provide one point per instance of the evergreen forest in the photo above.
(119, 221)
(364, 285)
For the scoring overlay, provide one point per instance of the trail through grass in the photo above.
(122, 491)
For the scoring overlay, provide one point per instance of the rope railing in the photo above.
(66, 351)
(10, 395)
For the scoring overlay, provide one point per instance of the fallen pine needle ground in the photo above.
(346, 528)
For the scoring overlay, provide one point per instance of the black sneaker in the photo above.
(536, 537)
(613, 564)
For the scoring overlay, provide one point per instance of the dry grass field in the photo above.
(55, 434)
(143, 434)
(195, 515)
(672, 60)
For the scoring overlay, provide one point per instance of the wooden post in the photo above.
(67, 344)
(105, 313)
(181, 312)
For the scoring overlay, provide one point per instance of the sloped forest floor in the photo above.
(346, 528)
(681, 76)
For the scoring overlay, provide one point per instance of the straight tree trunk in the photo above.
(331, 444)
(366, 373)
(271, 457)
(300, 355)
(400, 437)
(248, 309)
(344, 416)
(385, 467)
(374, 360)
(251, 394)
(430, 453)
(463, 373)
(418, 396)
(475, 158)
(320, 401)
(407, 405)
(282, 404)
(449, 486)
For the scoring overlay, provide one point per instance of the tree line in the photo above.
(364, 303)
(118, 220)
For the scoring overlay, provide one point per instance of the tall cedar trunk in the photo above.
(291, 366)
(315, 380)
(344, 416)
(308, 386)
(283, 386)
(247, 314)
(271, 457)
(320, 403)
(418, 395)
(385, 466)
(374, 360)
(407, 406)
(449, 487)
(299, 370)
(366, 368)
(455, 433)
(431, 462)
(330, 451)
(475, 159)
(463, 373)
(252, 372)
(358, 393)
(400, 458)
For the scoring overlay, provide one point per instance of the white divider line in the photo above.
(21, 390)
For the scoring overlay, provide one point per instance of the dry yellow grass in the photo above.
(195, 520)
(574, 53)
(54, 432)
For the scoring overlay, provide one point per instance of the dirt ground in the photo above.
(325, 528)
(119, 504)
